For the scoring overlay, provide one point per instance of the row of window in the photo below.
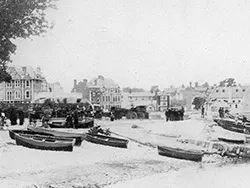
(111, 99)
(237, 90)
(11, 95)
(141, 98)
(232, 101)
(18, 83)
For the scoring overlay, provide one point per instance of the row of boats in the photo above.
(48, 139)
(231, 147)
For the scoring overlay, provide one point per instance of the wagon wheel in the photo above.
(134, 115)
(131, 115)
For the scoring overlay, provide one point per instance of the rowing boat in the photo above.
(44, 143)
(106, 140)
(193, 155)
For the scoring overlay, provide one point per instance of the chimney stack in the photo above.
(75, 82)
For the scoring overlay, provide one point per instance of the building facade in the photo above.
(101, 91)
(236, 98)
(133, 99)
(24, 85)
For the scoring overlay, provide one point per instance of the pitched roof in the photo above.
(25, 72)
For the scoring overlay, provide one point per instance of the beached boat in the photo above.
(106, 140)
(193, 155)
(12, 134)
(61, 123)
(44, 143)
(231, 125)
(78, 136)
(20, 131)
(232, 140)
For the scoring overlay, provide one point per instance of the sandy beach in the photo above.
(92, 165)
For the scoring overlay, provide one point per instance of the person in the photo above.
(21, 117)
(46, 118)
(182, 113)
(69, 120)
(3, 118)
(167, 114)
(221, 112)
(236, 118)
(202, 111)
(75, 117)
(112, 116)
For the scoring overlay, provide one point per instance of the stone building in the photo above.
(101, 91)
(25, 84)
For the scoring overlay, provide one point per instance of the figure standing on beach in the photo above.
(202, 112)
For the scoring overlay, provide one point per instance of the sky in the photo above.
(140, 43)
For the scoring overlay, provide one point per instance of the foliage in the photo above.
(198, 102)
(229, 82)
(48, 103)
(20, 19)
(154, 89)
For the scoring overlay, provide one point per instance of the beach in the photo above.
(93, 165)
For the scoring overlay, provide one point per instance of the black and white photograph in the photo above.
(124, 93)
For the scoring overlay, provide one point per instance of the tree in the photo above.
(229, 82)
(198, 102)
(20, 19)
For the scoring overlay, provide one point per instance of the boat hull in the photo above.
(43, 144)
(106, 140)
(60, 123)
(78, 136)
(180, 153)
(13, 132)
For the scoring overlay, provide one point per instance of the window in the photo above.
(223, 90)
(27, 83)
(243, 90)
(217, 90)
(119, 98)
(17, 83)
(8, 85)
(236, 106)
(8, 95)
(27, 94)
(239, 101)
(17, 95)
(233, 101)
(164, 104)
(237, 90)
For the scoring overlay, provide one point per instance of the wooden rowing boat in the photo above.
(44, 143)
(106, 140)
(13, 132)
(61, 123)
(231, 140)
(78, 136)
(193, 155)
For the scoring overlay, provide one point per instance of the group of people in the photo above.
(13, 114)
(174, 114)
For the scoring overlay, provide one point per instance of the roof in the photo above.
(226, 92)
(140, 94)
(101, 81)
(24, 72)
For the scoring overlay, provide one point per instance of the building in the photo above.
(133, 99)
(100, 90)
(164, 101)
(25, 84)
(236, 97)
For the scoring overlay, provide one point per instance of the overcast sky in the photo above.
(140, 43)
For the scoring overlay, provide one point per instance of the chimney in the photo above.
(85, 81)
(75, 82)
(24, 69)
(101, 77)
(95, 82)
